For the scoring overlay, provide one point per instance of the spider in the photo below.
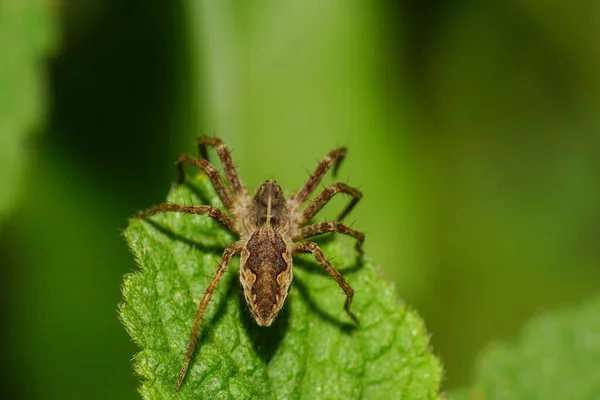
(269, 227)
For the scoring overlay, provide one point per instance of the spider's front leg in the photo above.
(313, 248)
(331, 226)
(212, 212)
(333, 159)
(213, 175)
(326, 195)
(226, 161)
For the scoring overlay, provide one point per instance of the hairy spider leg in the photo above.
(226, 161)
(212, 212)
(213, 175)
(334, 158)
(331, 226)
(326, 195)
(229, 252)
(313, 248)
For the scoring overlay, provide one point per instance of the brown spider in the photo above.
(268, 226)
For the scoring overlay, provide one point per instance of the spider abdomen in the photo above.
(266, 274)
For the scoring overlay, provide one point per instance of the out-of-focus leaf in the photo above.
(556, 357)
(27, 34)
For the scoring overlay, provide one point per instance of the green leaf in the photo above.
(311, 351)
(27, 33)
(556, 357)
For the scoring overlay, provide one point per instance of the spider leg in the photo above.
(326, 195)
(212, 212)
(225, 156)
(313, 248)
(229, 252)
(331, 226)
(334, 158)
(213, 175)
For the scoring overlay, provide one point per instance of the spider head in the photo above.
(268, 205)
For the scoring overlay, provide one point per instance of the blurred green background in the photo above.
(473, 130)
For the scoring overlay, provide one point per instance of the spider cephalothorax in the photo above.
(270, 229)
